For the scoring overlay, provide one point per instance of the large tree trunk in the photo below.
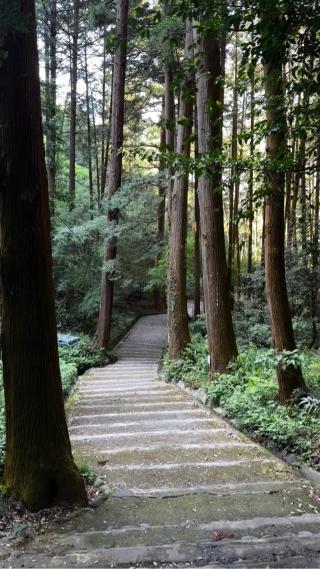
(178, 328)
(73, 103)
(39, 468)
(221, 338)
(290, 378)
(115, 170)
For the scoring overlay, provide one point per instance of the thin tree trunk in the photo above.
(221, 338)
(197, 253)
(52, 115)
(96, 149)
(73, 103)
(289, 378)
(170, 131)
(197, 234)
(103, 113)
(104, 164)
(251, 177)
(89, 138)
(178, 329)
(39, 469)
(315, 252)
(159, 295)
(233, 200)
(263, 234)
(115, 171)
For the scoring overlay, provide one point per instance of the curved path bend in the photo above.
(186, 488)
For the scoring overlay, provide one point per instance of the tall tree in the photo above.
(273, 49)
(178, 328)
(159, 295)
(51, 95)
(73, 101)
(115, 169)
(221, 338)
(251, 174)
(39, 468)
(197, 239)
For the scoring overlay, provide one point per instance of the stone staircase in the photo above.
(186, 488)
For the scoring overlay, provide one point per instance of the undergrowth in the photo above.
(248, 394)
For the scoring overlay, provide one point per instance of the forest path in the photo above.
(187, 488)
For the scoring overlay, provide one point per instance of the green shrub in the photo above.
(192, 368)
(83, 355)
(249, 395)
(87, 472)
(69, 376)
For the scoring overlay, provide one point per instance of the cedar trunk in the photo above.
(39, 469)
(170, 132)
(159, 294)
(290, 378)
(221, 338)
(197, 243)
(73, 103)
(115, 170)
(178, 328)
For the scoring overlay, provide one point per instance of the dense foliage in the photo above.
(248, 395)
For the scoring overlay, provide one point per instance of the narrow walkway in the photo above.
(187, 489)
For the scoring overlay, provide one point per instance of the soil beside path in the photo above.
(186, 488)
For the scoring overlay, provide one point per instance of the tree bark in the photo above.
(159, 294)
(290, 378)
(39, 469)
(221, 338)
(104, 164)
(170, 132)
(197, 253)
(233, 198)
(89, 137)
(115, 171)
(51, 96)
(178, 329)
(197, 234)
(251, 177)
(73, 103)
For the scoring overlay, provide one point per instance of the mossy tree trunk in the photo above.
(39, 469)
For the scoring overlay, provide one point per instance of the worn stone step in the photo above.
(163, 436)
(146, 425)
(184, 474)
(289, 527)
(143, 406)
(165, 415)
(187, 453)
(265, 552)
